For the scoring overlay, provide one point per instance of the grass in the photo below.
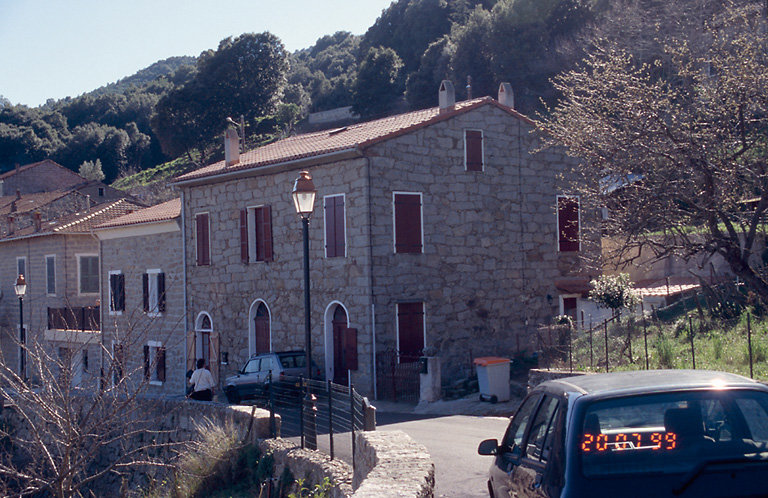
(160, 173)
(717, 345)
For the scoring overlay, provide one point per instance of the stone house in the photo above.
(60, 262)
(437, 231)
(142, 319)
(48, 176)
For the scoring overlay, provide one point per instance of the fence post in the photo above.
(301, 408)
(272, 425)
(693, 351)
(330, 416)
(570, 348)
(311, 438)
(605, 327)
(629, 341)
(749, 344)
(591, 356)
(645, 334)
(352, 419)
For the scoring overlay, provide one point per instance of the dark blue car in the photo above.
(663, 433)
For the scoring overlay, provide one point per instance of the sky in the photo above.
(59, 48)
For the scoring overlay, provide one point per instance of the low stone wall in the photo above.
(390, 463)
(538, 375)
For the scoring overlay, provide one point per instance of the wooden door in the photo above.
(339, 325)
(261, 329)
(410, 330)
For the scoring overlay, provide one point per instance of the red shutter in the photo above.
(350, 348)
(264, 233)
(410, 330)
(203, 243)
(408, 223)
(244, 235)
(334, 227)
(474, 150)
(146, 361)
(145, 291)
(161, 292)
(161, 364)
(568, 223)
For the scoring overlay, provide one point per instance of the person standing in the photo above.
(202, 380)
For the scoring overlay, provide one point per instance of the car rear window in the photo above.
(292, 360)
(671, 432)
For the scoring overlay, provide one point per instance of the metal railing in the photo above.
(322, 415)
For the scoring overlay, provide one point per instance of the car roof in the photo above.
(648, 381)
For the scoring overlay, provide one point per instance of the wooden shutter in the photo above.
(350, 348)
(334, 227)
(161, 364)
(244, 235)
(203, 243)
(568, 223)
(410, 331)
(146, 361)
(161, 292)
(264, 233)
(473, 141)
(117, 292)
(145, 291)
(408, 223)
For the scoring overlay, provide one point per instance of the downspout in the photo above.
(370, 280)
(184, 286)
(101, 309)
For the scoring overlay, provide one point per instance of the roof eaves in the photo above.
(270, 167)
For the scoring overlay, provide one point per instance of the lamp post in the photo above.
(304, 200)
(21, 288)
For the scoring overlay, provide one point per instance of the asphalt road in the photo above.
(452, 442)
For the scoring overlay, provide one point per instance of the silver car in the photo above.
(252, 380)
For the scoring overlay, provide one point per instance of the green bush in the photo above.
(666, 351)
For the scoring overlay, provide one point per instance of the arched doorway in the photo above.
(203, 332)
(259, 340)
(339, 324)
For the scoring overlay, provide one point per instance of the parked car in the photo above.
(651, 433)
(252, 380)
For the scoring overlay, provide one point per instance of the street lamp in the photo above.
(21, 288)
(304, 200)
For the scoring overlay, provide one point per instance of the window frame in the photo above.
(466, 150)
(155, 302)
(336, 252)
(113, 311)
(252, 227)
(48, 275)
(154, 352)
(394, 222)
(198, 261)
(80, 258)
(560, 240)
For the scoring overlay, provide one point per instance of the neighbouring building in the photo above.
(142, 291)
(59, 259)
(438, 231)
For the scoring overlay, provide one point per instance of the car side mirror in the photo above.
(488, 447)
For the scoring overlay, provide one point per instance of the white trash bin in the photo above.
(493, 378)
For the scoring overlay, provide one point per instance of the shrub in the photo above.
(666, 350)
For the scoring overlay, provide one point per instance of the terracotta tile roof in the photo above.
(357, 136)
(161, 212)
(30, 202)
(79, 223)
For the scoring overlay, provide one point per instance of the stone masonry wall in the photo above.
(44, 177)
(133, 256)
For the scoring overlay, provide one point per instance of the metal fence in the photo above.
(320, 415)
(398, 375)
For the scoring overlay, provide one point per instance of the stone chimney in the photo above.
(38, 220)
(231, 147)
(11, 225)
(447, 96)
(18, 194)
(506, 95)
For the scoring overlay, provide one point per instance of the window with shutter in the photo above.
(153, 289)
(244, 235)
(335, 236)
(116, 293)
(410, 331)
(408, 223)
(154, 362)
(263, 233)
(88, 273)
(202, 235)
(473, 150)
(50, 275)
(568, 223)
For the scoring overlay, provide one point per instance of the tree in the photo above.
(379, 82)
(92, 170)
(681, 153)
(613, 292)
